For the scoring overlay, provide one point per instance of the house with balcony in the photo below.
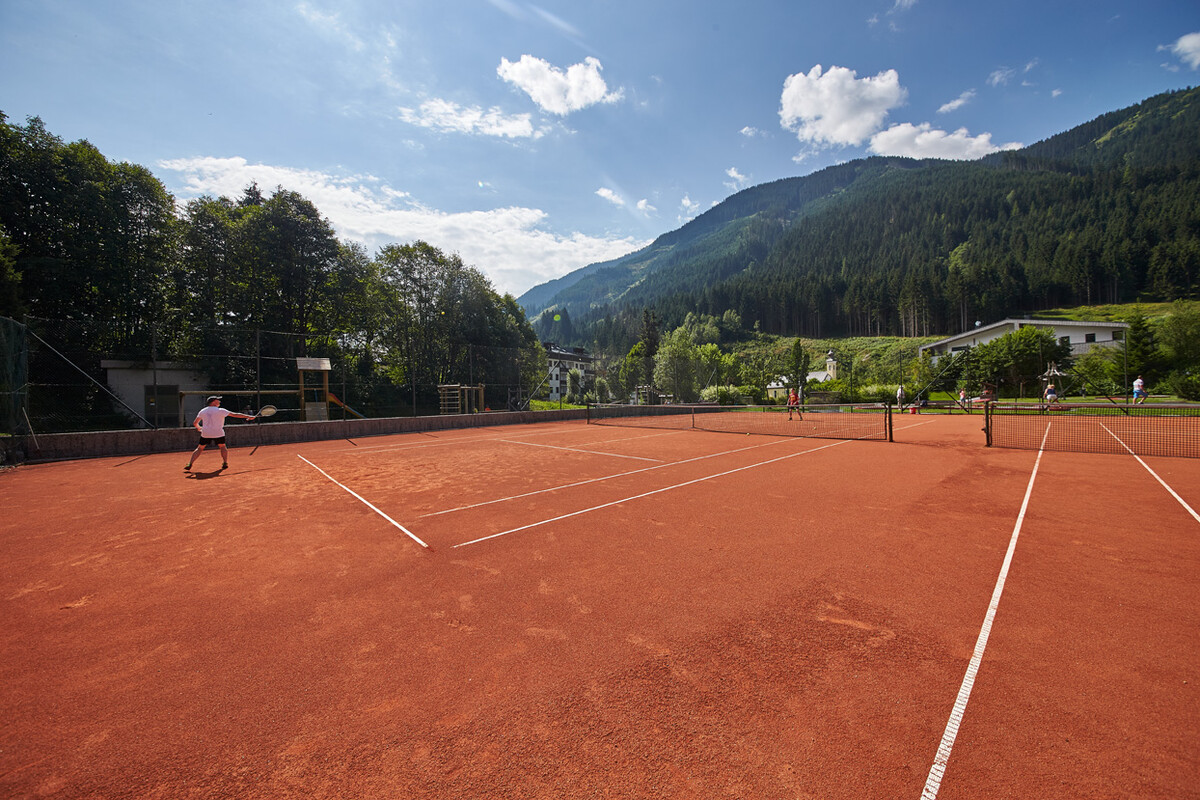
(1081, 336)
(561, 361)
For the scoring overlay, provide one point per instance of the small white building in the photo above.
(152, 388)
(1081, 336)
(779, 389)
(562, 361)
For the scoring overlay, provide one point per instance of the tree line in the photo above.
(83, 238)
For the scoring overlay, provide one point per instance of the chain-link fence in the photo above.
(14, 362)
(72, 375)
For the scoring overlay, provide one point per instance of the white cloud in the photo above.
(924, 141)
(644, 206)
(688, 209)
(1001, 76)
(738, 179)
(444, 115)
(958, 102)
(1186, 49)
(1056, 92)
(610, 196)
(510, 245)
(555, 91)
(838, 108)
(750, 132)
(904, 5)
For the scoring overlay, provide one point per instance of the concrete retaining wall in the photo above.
(64, 446)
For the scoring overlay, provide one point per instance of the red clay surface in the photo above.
(664, 615)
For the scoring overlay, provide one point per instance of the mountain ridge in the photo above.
(796, 233)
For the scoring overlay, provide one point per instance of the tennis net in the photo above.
(1145, 430)
(820, 422)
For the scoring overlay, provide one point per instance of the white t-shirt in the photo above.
(212, 421)
(1138, 385)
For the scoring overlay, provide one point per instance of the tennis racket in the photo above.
(266, 411)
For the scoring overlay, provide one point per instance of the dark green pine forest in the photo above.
(1108, 212)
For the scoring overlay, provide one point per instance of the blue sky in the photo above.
(533, 138)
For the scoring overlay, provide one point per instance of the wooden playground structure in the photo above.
(312, 401)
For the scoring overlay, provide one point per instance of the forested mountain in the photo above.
(1106, 212)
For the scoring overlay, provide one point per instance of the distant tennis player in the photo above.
(793, 403)
(210, 423)
(1051, 394)
(1139, 390)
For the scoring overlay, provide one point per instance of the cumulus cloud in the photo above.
(1186, 49)
(610, 196)
(556, 91)
(510, 245)
(837, 107)
(644, 206)
(687, 208)
(925, 141)
(750, 132)
(444, 115)
(738, 179)
(958, 102)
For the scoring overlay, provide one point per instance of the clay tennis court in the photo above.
(566, 610)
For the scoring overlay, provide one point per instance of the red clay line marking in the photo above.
(652, 493)
(597, 480)
(1182, 502)
(578, 450)
(938, 770)
(365, 502)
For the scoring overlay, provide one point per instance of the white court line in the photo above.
(597, 480)
(411, 535)
(577, 450)
(651, 493)
(938, 770)
(1182, 502)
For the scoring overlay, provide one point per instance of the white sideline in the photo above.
(365, 502)
(938, 770)
(1182, 502)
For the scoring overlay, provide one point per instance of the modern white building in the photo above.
(1082, 336)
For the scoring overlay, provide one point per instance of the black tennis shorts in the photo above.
(210, 442)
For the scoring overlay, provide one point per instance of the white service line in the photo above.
(938, 770)
(597, 480)
(366, 502)
(1182, 502)
(651, 493)
(578, 450)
